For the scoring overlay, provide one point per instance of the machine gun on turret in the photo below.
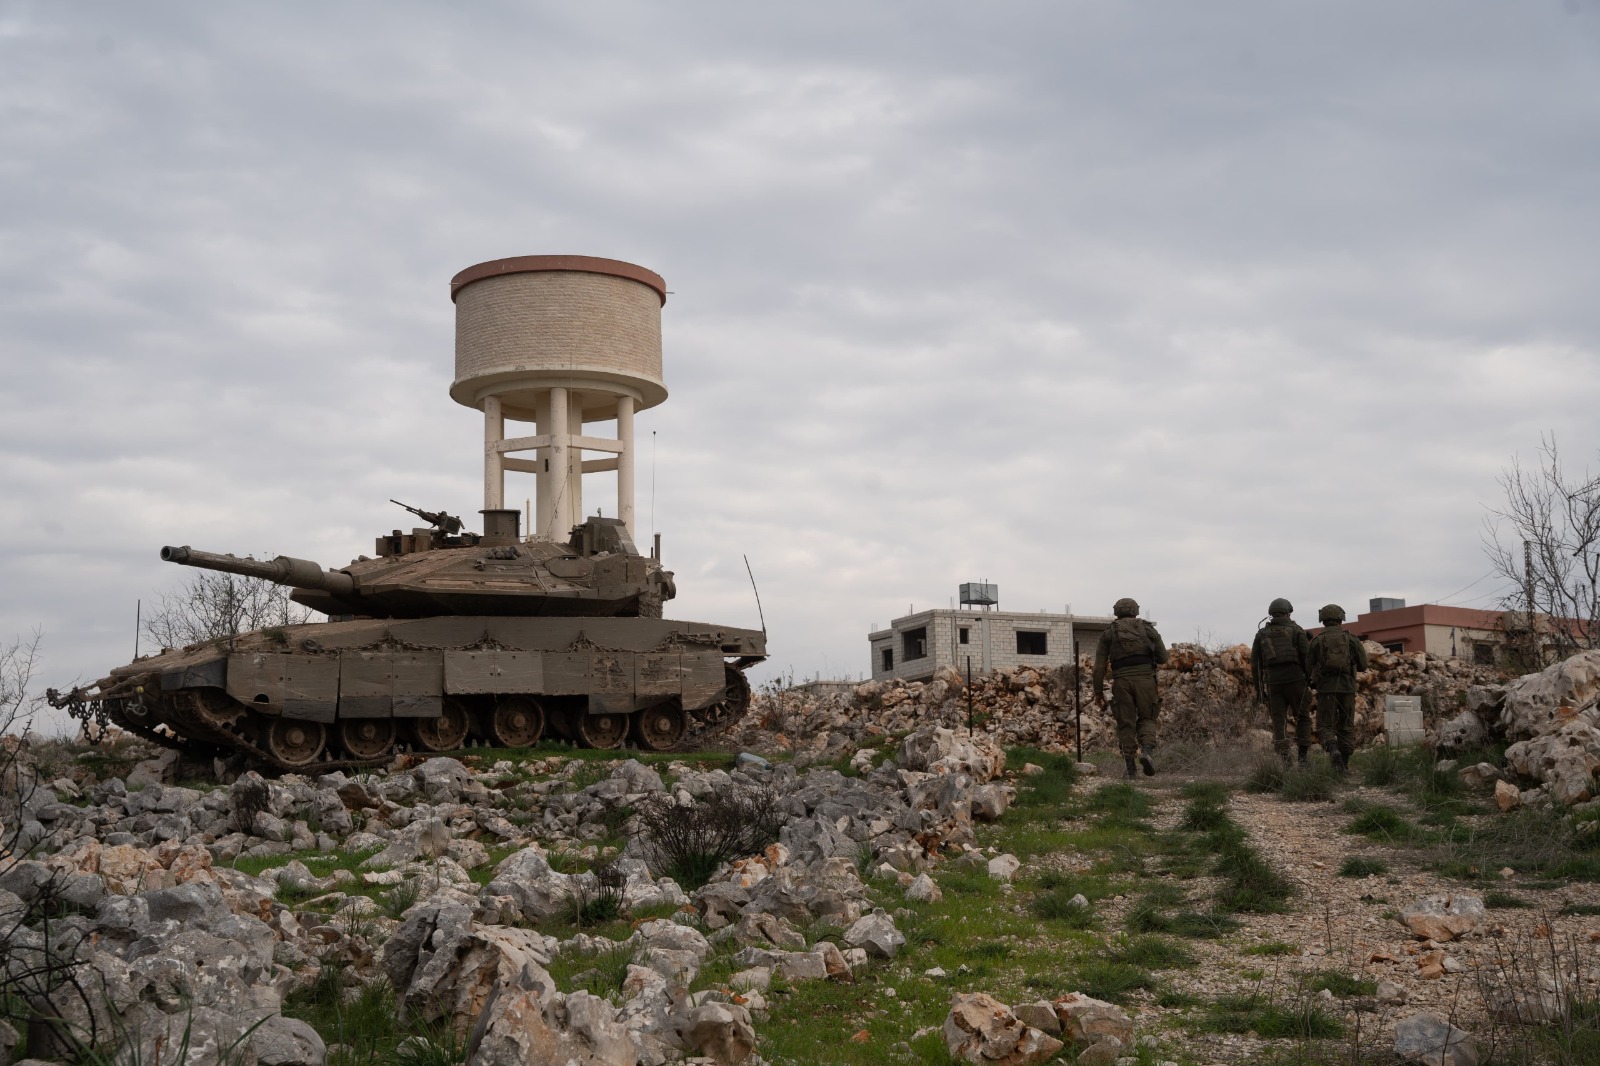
(447, 524)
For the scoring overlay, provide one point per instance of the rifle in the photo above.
(445, 523)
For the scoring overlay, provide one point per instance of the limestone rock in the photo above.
(1088, 1020)
(1531, 704)
(876, 933)
(923, 890)
(1507, 796)
(1444, 918)
(720, 1030)
(1429, 1040)
(525, 1020)
(981, 1029)
(280, 1041)
(1004, 867)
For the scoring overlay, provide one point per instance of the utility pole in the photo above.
(1534, 658)
(1077, 694)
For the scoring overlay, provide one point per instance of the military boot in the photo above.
(1288, 762)
(1303, 749)
(1133, 771)
(1146, 762)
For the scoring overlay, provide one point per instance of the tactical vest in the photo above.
(1130, 644)
(1277, 646)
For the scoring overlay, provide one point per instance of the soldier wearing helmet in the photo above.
(1132, 649)
(1336, 657)
(1278, 663)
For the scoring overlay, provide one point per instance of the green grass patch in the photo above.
(1153, 953)
(1211, 793)
(1585, 909)
(1203, 816)
(1270, 1020)
(1121, 803)
(1272, 949)
(1362, 866)
(1250, 884)
(1056, 906)
(1383, 824)
(1531, 840)
(599, 973)
(1340, 984)
(1109, 980)
(1041, 792)
(1496, 899)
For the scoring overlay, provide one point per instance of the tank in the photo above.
(440, 638)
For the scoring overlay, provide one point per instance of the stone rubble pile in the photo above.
(1551, 719)
(173, 942)
(1206, 696)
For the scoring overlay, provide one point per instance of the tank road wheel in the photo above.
(661, 727)
(732, 706)
(295, 743)
(444, 733)
(602, 730)
(366, 738)
(516, 722)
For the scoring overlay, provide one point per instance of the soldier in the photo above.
(1133, 649)
(1278, 664)
(1336, 657)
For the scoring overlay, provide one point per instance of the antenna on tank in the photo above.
(759, 611)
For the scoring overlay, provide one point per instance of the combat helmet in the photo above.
(1127, 607)
(1331, 613)
(1280, 606)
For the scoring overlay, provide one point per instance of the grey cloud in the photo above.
(1206, 303)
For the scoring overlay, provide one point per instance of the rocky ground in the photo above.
(879, 888)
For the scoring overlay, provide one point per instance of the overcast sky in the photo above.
(1198, 303)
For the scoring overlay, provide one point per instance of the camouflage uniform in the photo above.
(1284, 681)
(1132, 649)
(1336, 688)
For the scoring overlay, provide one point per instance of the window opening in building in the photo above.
(1395, 646)
(964, 632)
(888, 658)
(915, 643)
(1483, 653)
(1031, 643)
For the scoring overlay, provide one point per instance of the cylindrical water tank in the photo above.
(535, 322)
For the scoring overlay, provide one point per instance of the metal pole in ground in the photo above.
(1077, 697)
(969, 695)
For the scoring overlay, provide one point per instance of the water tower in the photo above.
(558, 341)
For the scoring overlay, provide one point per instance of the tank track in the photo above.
(180, 722)
(107, 711)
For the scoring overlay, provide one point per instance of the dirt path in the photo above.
(1349, 926)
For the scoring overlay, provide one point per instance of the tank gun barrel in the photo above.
(284, 570)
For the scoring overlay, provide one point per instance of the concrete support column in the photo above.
(559, 468)
(494, 473)
(625, 464)
(543, 496)
(574, 460)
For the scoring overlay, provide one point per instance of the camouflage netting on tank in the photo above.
(1206, 697)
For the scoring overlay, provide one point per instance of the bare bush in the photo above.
(213, 605)
(39, 958)
(689, 843)
(1553, 554)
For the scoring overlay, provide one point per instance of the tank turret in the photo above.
(597, 572)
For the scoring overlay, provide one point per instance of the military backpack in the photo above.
(1336, 652)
